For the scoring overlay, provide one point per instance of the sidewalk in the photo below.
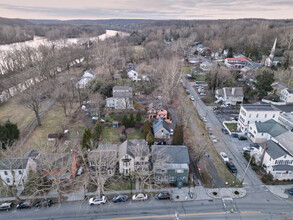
(279, 190)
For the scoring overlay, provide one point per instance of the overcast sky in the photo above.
(147, 9)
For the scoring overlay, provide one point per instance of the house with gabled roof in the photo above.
(230, 95)
(161, 129)
(122, 98)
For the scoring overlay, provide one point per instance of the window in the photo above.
(257, 115)
(265, 115)
(248, 122)
(7, 180)
(19, 172)
(162, 130)
(5, 172)
(273, 115)
(261, 134)
(249, 115)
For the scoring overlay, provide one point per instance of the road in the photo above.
(225, 143)
(256, 205)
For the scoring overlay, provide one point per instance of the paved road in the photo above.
(225, 142)
(256, 205)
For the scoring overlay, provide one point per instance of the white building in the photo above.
(230, 95)
(251, 113)
(14, 171)
(122, 98)
(287, 95)
(269, 61)
(133, 75)
(85, 79)
(236, 63)
(262, 131)
(276, 160)
(133, 156)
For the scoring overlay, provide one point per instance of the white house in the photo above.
(122, 98)
(14, 171)
(236, 63)
(133, 75)
(230, 95)
(251, 113)
(133, 156)
(85, 79)
(262, 131)
(276, 160)
(287, 95)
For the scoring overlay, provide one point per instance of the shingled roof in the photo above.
(159, 124)
(174, 154)
(13, 163)
(271, 127)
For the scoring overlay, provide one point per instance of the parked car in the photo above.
(80, 171)
(247, 149)
(291, 191)
(98, 200)
(242, 138)
(160, 142)
(162, 195)
(140, 197)
(234, 135)
(231, 167)
(216, 107)
(202, 94)
(187, 92)
(24, 205)
(171, 132)
(192, 98)
(44, 203)
(213, 138)
(224, 157)
(204, 119)
(120, 198)
(225, 131)
(6, 206)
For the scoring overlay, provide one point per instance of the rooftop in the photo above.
(285, 108)
(290, 90)
(237, 59)
(273, 149)
(286, 140)
(136, 147)
(287, 119)
(282, 167)
(159, 124)
(271, 127)
(233, 91)
(171, 154)
(279, 85)
(259, 107)
(13, 163)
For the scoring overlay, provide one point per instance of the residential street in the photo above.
(225, 143)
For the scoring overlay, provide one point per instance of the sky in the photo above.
(147, 9)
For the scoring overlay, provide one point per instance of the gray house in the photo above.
(122, 98)
(161, 129)
(230, 95)
(170, 163)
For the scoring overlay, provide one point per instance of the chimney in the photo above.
(263, 154)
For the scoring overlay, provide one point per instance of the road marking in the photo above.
(170, 216)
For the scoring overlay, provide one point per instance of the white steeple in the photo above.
(270, 59)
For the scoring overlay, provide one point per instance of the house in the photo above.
(262, 131)
(133, 156)
(14, 171)
(170, 163)
(286, 119)
(161, 113)
(278, 87)
(285, 140)
(276, 160)
(230, 95)
(206, 66)
(236, 63)
(251, 113)
(122, 98)
(103, 159)
(62, 166)
(133, 75)
(193, 59)
(85, 79)
(287, 95)
(161, 129)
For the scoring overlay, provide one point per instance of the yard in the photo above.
(119, 183)
(110, 136)
(201, 78)
(232, 126)
(134, 134)
(186, 70)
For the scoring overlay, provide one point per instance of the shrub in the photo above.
(264, 180)
(246, 156)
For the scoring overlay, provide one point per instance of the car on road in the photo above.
(234, 135)
(214, 139)
(291, 191)
(120, 198)
(140, 197)
(160, 142)
(24, 205)
(171, 132)
(224, 157)
(231, 167)
(162, 195)
(6, 206)
(242, 138)
(187, 92)
(98, 200)
(225, 131)
(192, 98)
(44, 203)
(204, 119)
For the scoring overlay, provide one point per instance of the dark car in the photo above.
(24, 205)
(162, 195)
(160, 142)
(6, 206)
(43, 203)
(242, 138)
(231, 167)
(120, 198)
(225, 131)
(291, 191)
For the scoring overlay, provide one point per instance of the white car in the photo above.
(214, 139)
(202, 94)
(224, 157)
(140, 197)
(98, 200)
(248, 149)
(192, 98)
(204, 119)
(171, 132)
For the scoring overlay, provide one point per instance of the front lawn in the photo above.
(201, 78)
(110, 136)
(118, 183)
(232, 126)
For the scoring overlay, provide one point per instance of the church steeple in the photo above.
(270, 59)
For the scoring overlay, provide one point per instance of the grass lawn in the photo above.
(110, 136)
(232, 126)
(16, 113)
(119, 184)
(186, 70)
(119, 117)
(201, 78)
(136, 134)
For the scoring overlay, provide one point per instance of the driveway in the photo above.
(232, 146)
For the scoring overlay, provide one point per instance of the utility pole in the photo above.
(246, 169)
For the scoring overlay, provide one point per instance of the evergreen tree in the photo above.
(8, 134)
(150, 139)
(178, 135)
(263, 83)
(131, 121)
(86, 139)
(125, 121)
(97, 132)
(146, 128)
(230, 53)
(138, 117)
